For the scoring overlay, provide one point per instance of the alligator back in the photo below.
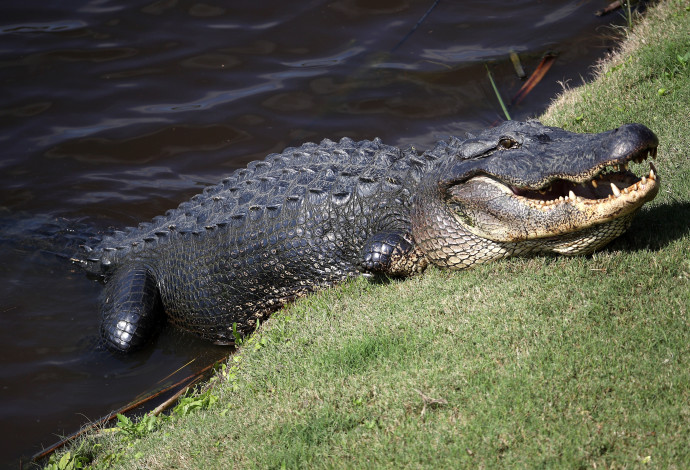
(282, 227)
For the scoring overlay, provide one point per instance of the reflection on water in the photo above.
(113, 112)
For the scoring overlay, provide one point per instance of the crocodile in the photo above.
(318, 214)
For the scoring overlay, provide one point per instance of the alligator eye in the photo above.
(507, 143)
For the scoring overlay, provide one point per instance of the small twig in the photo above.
(611, 7)
(543, 67)
(517, 65)
(173, 373)
(414, 28)
(427, 400)
(170, 401)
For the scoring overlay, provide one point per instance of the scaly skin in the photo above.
(549, 191)
(318, 214)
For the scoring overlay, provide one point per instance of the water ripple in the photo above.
(52, 27)
(212, 99)
(61, 134)
(328, 61)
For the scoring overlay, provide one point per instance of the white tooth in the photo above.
(652, 175)
(594, 183)
(571, 195)
(643, 180)
(615, 190)
(561, 199)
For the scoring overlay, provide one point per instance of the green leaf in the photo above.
(64, 461)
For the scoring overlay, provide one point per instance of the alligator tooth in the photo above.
(626, 190)
(643, 181)
(594, 183)
(561, 199)
(625, 166)
(616, 191)
(571, 195)
(652, 171)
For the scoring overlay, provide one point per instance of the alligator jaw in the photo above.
(502, 212)
(606, 180)
(606, 191)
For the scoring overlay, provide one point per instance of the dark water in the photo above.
(112, 112)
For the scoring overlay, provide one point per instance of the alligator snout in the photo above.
(631, 140)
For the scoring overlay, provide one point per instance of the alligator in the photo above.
(318, 214)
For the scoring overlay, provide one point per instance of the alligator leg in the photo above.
(391, 253)
(131, 309)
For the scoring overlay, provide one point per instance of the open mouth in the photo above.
(608, 182)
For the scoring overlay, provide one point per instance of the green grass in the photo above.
(542, 362)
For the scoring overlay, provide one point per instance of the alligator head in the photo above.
(524, 187)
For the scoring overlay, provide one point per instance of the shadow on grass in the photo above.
(656, 228)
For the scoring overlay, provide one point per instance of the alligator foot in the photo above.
(390, 253)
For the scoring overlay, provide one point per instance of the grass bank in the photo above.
(549, 362)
